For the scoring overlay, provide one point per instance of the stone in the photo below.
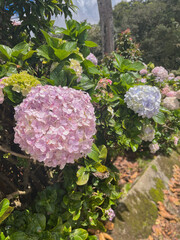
(137, 212)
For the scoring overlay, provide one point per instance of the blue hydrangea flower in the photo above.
(143, 100)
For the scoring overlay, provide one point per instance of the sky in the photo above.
(87, 10)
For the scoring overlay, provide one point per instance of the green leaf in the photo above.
(90, 44)
(93, 70)
(51, 41)
(82, 176)
(94, 154)
(160, 118)
(61, 53)
(103, 152)
(5, 209)
(46, 52)
(134, 146)
(79, 234)
(119, 60)
(20, 236)
(5, 52)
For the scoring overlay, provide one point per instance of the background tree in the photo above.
(106, 24)
(156, 26)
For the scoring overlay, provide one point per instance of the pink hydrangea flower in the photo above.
(154, 147)
(171, 76)
(92, 58)
(165, 90)
(171, 103)
(143, 72)
(160, 73)
(176, 139)
(103, 82)
(55, 125)
(178, 94)
(171, 94)
(177, 78)
(111, 214)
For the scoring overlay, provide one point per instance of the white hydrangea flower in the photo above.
(148, 133)
(143, 100)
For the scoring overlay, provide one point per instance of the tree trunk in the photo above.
(106, 23)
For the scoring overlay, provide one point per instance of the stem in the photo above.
(14, 153)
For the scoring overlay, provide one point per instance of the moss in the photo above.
(138, 220)
(157, 193)
(166, 163)
(154, 168)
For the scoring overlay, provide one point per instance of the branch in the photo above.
(18, 193)
(14, 153)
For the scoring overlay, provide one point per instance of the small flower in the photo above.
(143, 100)
(143, 72)
(75, 65)
(160, 73)
(142, 80)
(178, 94)
(103, 82)
(171, 103)
(171, 76)
(111, 214)
(154, 147)
(92, 58)
(176, 139)
(177, 78)
(148, 133)
(165, 90)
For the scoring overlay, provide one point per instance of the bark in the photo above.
(106, 23)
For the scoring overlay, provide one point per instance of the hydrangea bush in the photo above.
(55, 125)
(120, 107)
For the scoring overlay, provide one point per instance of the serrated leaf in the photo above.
(103, 152)
(79, 234)
(160, 118)
(94, 154)
(5, 52)
(82, 176)
(90, 44)
(5, 209)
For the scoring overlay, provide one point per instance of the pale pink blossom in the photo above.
(176, 139)
(154, 147)
(55, 125)
(103, 82)
(160, 73)
(171, 94)
(178, 94)
(143, 72)
(171, 103)
(165, 90)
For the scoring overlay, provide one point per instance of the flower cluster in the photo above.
(143, 100)
(148, 133)
(92, 58)
(160, 73)
(75, 65)
(171, 103)
(111, 214)
(21, 82)
(55, 125)
(154, 147)
(103, 82)
(176, 139)
(143, 72)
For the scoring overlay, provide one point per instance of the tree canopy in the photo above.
(156, 26)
